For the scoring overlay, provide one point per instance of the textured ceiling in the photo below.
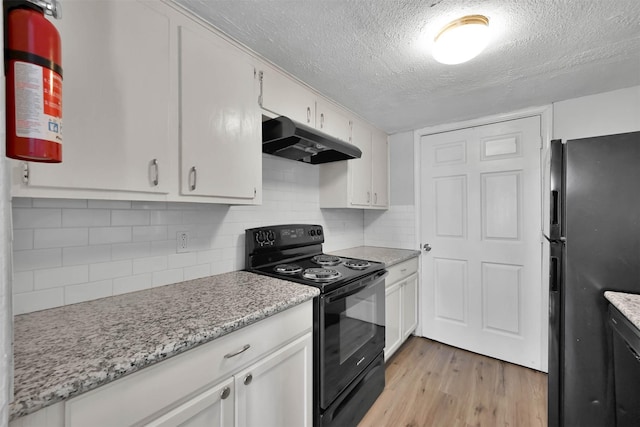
(371, 56)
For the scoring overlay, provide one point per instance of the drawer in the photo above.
(129, 400)
(400, 271)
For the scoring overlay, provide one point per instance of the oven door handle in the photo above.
(380, 276)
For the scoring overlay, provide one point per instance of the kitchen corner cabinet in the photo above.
(283, 96)
(359, 183)
(116, 92)
(221, 139)
(258, 375)
(401, 317)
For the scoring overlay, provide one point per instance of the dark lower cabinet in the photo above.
(626, 365)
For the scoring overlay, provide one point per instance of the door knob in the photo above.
(426, 247)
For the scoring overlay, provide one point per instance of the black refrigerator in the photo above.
(594, 235)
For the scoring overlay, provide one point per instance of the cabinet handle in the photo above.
(242, 350)
(403, 270)
(248, 379)
(308, 114)
(375, 197)
(156, 172)
(321, 120)
(225, 393)
(193, 178)
(368, 197)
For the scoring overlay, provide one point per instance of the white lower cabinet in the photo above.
(401, 304)
(260, 375)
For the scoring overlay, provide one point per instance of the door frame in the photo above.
(545, 112)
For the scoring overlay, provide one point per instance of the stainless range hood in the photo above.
(285, 138)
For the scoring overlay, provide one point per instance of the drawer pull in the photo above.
(230, 355)
(225, 393)
(403, 270)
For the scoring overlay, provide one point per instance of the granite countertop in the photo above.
(627, 304)
(62, 352)
(388, 256)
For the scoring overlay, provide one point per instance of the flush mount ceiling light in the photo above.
(461, 40)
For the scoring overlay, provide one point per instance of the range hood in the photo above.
(285, 138)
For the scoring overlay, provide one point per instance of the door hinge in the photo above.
(25, 173)
(260, 79)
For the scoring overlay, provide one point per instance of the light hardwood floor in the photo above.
(432, 384)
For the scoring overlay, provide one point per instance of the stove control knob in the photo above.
(319, 232)
(271, 236)
(312, 232)
(259, 237)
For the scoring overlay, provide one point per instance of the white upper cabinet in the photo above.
(116, 95)
(379, 169)
(283, 96)
(220, 142)
(331, 120)
(358, 183)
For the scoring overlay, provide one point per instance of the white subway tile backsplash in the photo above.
(109, 204)
(130, 250)
(150, 233)
(22, 282)
(59, 203)
(109, 235)
(60, 237)
(165, 217)
(38, 300)
(129, 217)
(36, 218)
(167, 277)
(86, 217)
(131, 284)
(86, 254)
(87, 291)
(182, 260)
(110, 270)
(58, 277)
(125, 246)
(36, 259)
(22, 239)
(149, 265)
(197, 271)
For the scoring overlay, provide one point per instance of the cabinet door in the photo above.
(212, 408)
(380, 169)
(332, 121)
(277, 390)
(286, 97)
(221, 152)
(116, 95)
(393, 313)
(360, 169)
(409, 306)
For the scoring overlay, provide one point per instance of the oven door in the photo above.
(351, 328)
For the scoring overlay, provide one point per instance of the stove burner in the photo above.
(357, 264)
(287, 269)
(326, 260)
(321, 274)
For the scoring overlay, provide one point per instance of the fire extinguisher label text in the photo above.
(38, 102)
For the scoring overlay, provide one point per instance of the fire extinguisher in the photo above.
(33, 59)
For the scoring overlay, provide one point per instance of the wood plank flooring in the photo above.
(431, 384)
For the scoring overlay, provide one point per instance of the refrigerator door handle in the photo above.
(555, 273)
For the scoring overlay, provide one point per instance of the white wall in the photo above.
(68, 251)
(6, 324)
(605, 113)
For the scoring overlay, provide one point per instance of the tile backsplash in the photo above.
(67, 251)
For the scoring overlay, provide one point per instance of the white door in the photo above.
(480, 213)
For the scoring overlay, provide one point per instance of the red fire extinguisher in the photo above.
(33, 59)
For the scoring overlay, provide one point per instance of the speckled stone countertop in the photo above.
(388, 256)
(62, 352)
(627, 304)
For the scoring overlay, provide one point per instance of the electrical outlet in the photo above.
(182, 241)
